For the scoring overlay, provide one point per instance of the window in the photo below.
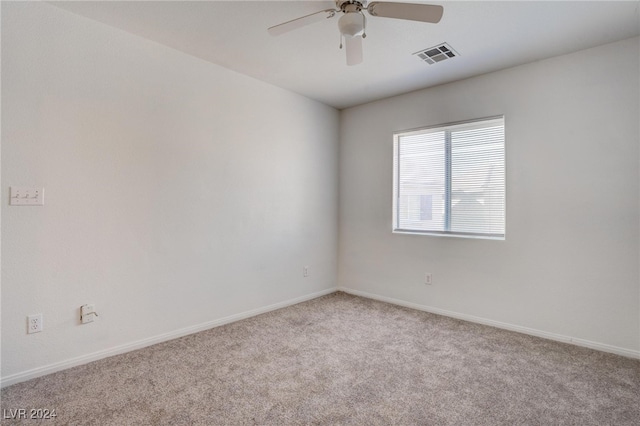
(450, 180)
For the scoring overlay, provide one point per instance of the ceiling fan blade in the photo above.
(411, 11)
(294, 24)
(353, 47)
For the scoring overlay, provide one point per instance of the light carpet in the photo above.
(343, 360)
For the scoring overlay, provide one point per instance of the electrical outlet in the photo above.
(428, 278)
(87, 313)
(305, 271)
(34, 323)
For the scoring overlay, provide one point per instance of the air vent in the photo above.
(437, 53)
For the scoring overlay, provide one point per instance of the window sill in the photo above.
(449, 234)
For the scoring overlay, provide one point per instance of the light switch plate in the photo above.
(23, 196)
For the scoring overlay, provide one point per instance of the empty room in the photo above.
(320, 212)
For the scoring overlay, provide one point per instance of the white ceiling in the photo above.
(487, 35)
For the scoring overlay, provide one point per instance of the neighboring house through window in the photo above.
(450, 180)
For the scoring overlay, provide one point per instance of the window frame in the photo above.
(458, 125)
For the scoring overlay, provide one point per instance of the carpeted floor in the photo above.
(342, 359)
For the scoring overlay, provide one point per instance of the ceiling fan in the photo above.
(352, 23)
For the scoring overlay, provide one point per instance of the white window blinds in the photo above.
(451, 180)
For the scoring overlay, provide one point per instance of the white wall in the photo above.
(569, 265)
(180, 194)
(177, 192)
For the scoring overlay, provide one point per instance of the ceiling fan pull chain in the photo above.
(340, 40)
(364, 25)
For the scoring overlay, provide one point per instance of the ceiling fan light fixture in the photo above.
(351, 24)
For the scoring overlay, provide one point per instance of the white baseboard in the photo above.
(630, 353)
(84, 359)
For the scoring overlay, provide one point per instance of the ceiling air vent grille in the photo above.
(437, 53)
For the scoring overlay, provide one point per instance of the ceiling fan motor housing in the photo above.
(357, 5)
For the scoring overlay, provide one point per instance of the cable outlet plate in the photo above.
(34, 323)
(87, 313)
(428, 278)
